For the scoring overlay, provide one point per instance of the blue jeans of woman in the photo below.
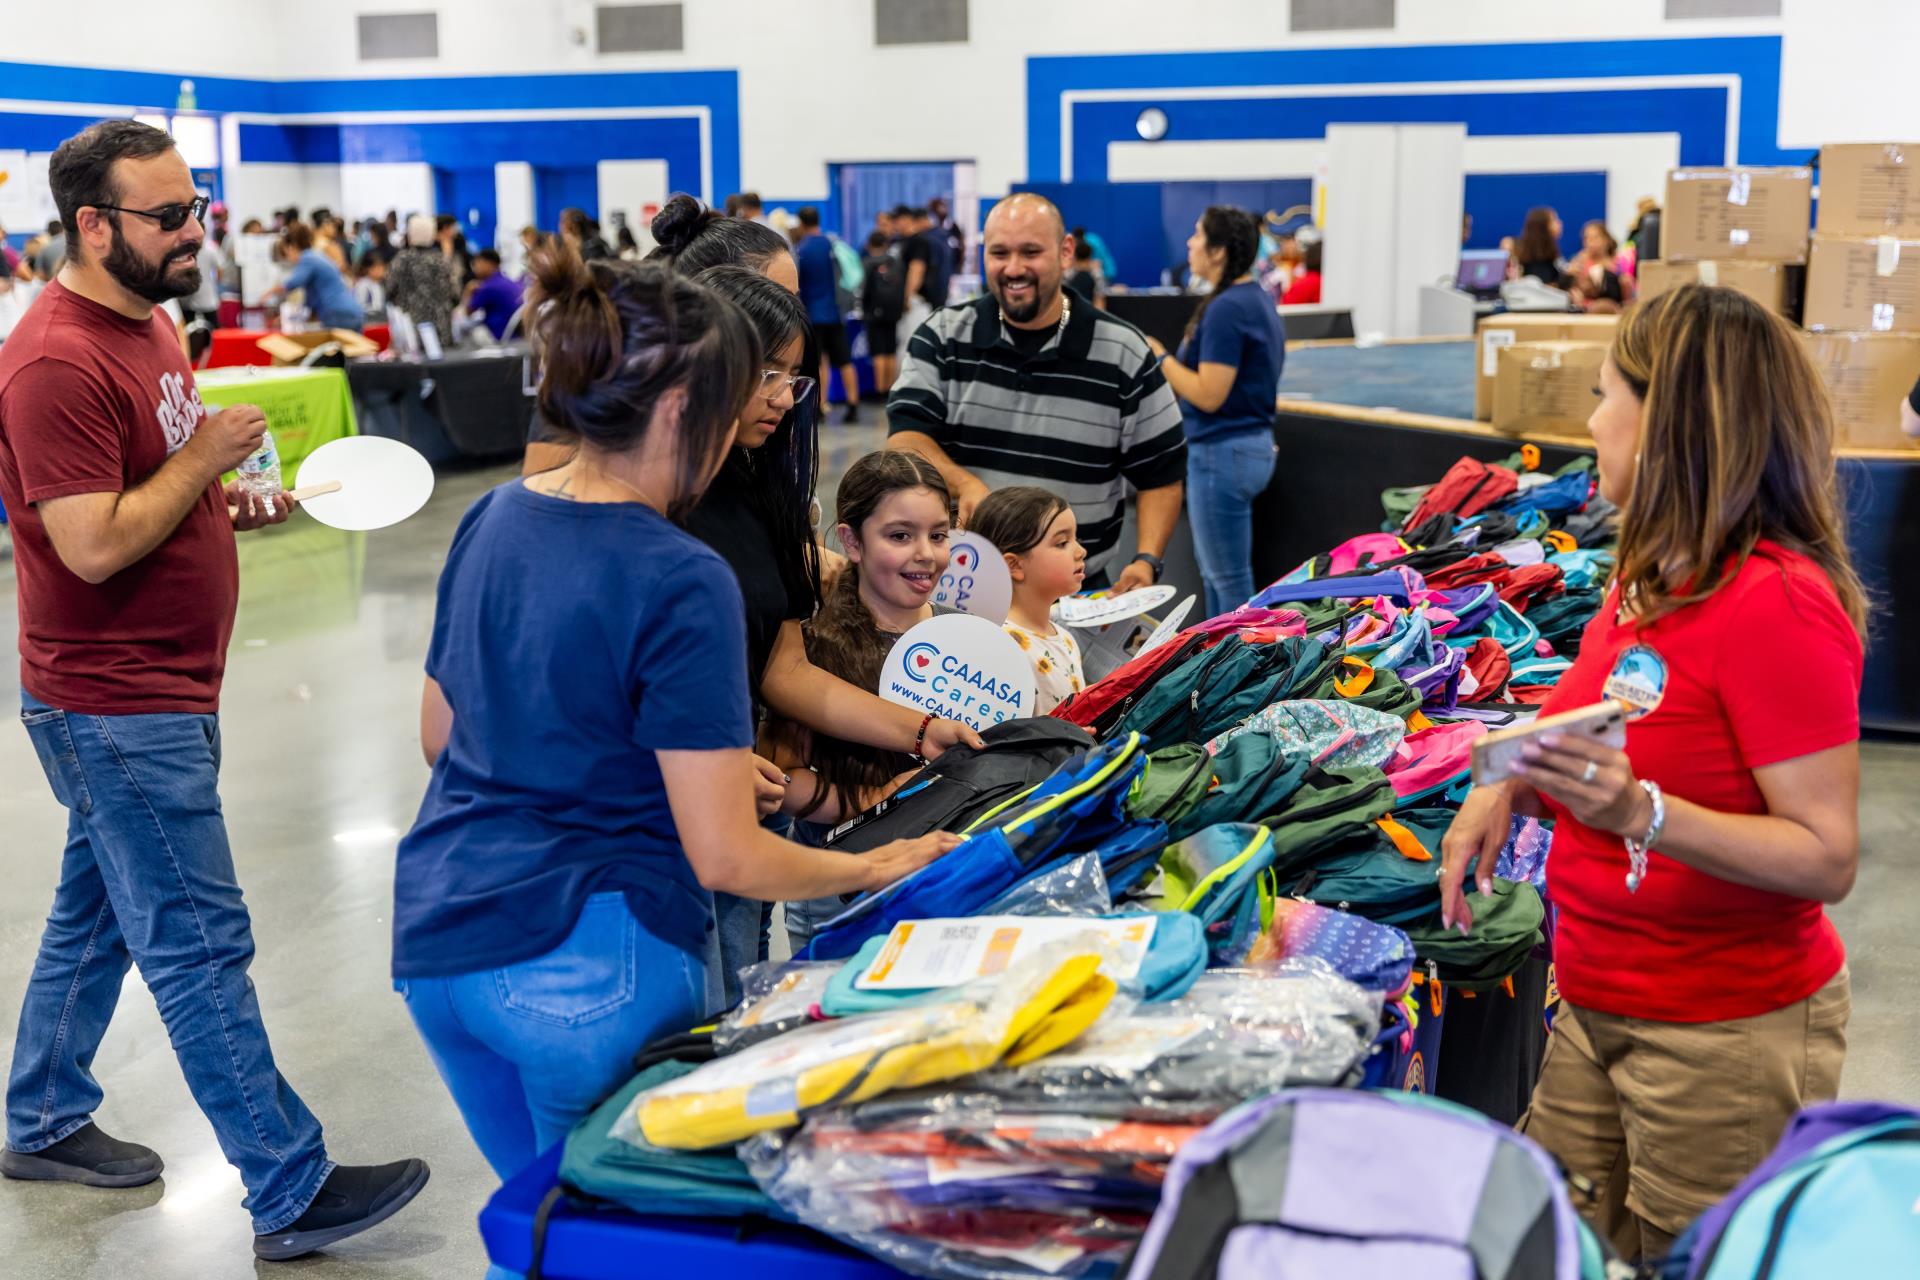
(529, 1049)
(1223, 478)
(148, 879)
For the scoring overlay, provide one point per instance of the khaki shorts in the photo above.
(1665, 1118)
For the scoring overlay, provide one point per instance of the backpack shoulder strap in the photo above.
(1209, 1210)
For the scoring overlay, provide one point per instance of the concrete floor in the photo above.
(323, 772)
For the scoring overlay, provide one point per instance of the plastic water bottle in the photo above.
(259, 475)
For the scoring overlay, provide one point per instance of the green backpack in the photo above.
(648, 1179)
(1506, 929)
(1329, 806)
(1176, 779)
(1253, 774)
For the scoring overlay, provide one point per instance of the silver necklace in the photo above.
(1066, 313)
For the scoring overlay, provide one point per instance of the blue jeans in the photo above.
(528, 1050)
(148, 879)
(1223, 479)
(744, 926)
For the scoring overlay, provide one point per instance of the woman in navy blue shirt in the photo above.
(1227, 376)
(587, 715)
(329, 296)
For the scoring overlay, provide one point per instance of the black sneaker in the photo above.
(87, 1156)
(353, 1198)
(852, 414)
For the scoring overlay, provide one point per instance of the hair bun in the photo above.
(680, 222)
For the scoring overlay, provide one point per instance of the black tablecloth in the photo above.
(467, 405)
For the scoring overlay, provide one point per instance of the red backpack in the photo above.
(1102, 704)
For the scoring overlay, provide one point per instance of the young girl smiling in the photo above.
(894, 516)
(1036, 532)
(894, 513)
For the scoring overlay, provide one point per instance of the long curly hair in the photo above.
(843, 639)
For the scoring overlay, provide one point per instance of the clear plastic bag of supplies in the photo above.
(970, 1194)
(1038, 1004)
(1237, 1034)
(776, 996)
(1079, 888)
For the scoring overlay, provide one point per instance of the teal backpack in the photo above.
(1222, 875)
(1836, 1198)
(1217, 688)
(1254, 774)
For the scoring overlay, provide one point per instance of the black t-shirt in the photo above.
(727, 521)
(1913, 397)
(931, 247)
(1028, 342)
(1084, 283)
(917, 248)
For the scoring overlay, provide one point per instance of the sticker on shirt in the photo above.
(1639, 679)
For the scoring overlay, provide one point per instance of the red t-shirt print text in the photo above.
(179, 411)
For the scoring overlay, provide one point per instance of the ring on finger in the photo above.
(1587, 775)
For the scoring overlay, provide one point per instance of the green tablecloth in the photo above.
(305, 408)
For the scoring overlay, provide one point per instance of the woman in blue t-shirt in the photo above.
(329, 297)
(587, 716)
(1227, 376)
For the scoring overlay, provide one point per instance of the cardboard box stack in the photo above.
(1863, 287)
(1747, 229)
(1767, 283)
(1499, 332)
(1753, 215)
(1546, 387)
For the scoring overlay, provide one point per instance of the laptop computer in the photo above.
(1482, 272)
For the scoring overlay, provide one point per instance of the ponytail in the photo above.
(615, 340)
(1235, 231)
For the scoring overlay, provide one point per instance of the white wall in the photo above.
(814, 88)
(1636, 164)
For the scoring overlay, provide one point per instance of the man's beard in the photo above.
(1043, 296)
(152, 280)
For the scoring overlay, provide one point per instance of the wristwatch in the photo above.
(1152, 562)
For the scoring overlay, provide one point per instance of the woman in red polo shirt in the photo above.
(1705, 991)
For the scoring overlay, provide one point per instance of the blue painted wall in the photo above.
(1146, 224)
(1755, 60)
(1499, 204)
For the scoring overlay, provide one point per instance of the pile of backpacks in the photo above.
(1257, 805)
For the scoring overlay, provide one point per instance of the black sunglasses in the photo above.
(171, 217)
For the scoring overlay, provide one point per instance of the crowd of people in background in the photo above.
(1600, 278)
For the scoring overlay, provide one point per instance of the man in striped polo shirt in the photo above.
(1023, 387)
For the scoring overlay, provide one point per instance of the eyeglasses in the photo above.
(171, 217)
(771, 380)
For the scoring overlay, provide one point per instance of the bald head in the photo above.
(1026, 214)
(1028, 254)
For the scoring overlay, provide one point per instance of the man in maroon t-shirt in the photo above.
(123, 537)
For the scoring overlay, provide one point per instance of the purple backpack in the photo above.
(1362, 1186)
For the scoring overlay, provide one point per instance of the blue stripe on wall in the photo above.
(718, 92)
(1697, 115)
(1754, 59)
(42, 82)
(558, 144)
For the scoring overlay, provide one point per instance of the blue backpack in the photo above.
(1079, 809)
(1837, 1197)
